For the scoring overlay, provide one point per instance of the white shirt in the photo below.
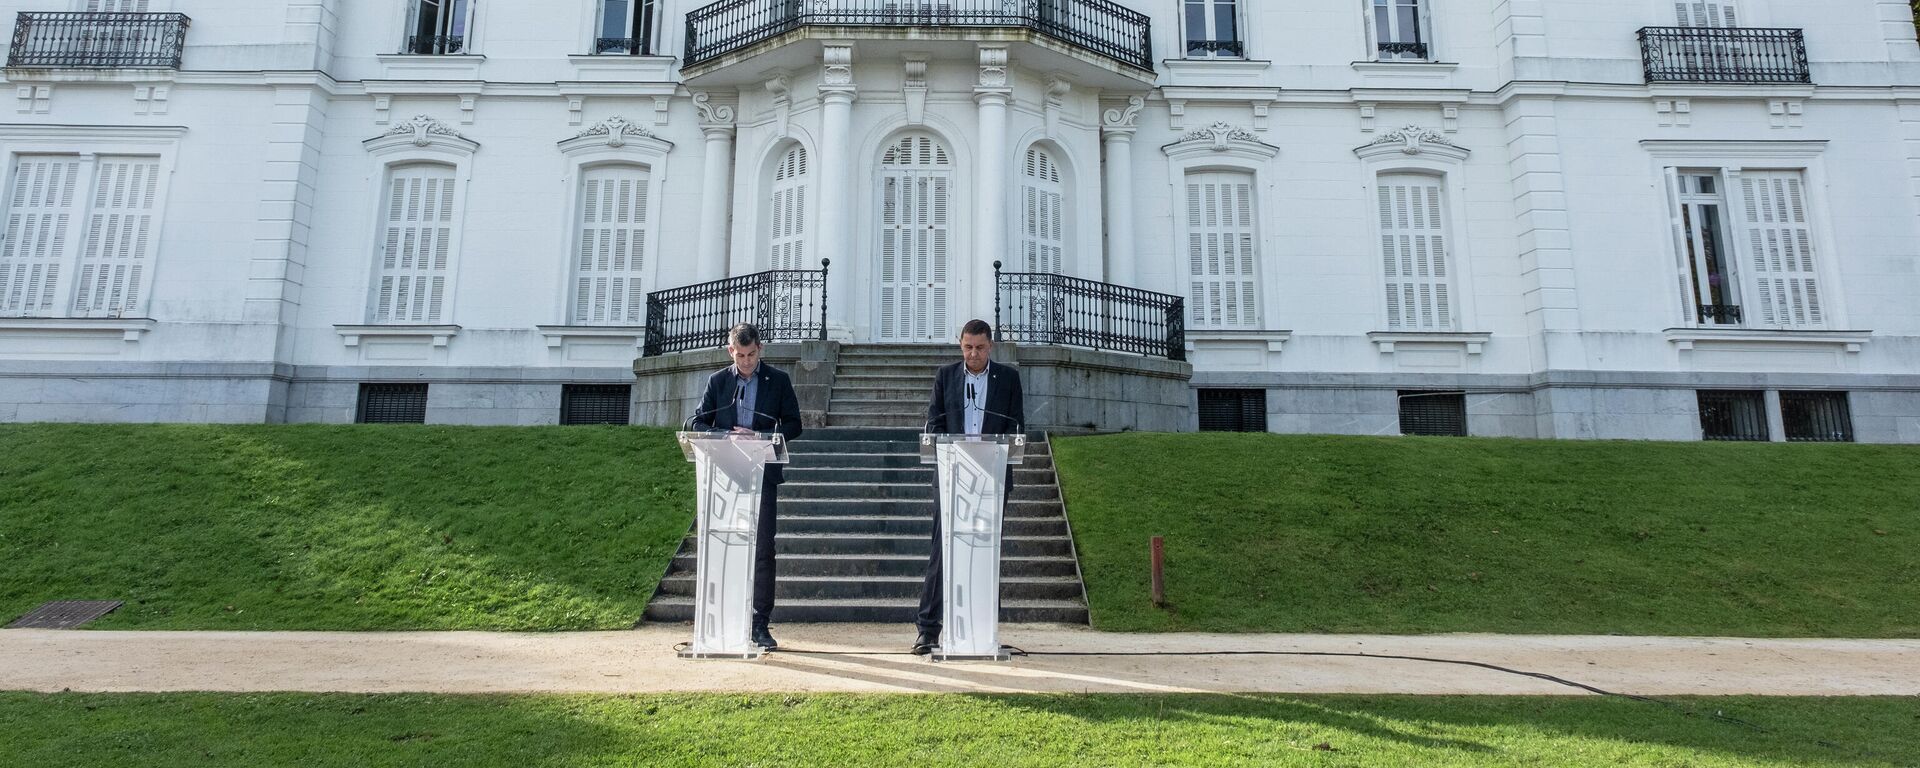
(976, 400)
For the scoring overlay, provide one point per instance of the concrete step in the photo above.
(875, 419)
(920, 508)
(797, 461)
(787, 587)
(868, 525)
(829, 447)
(916, 408)
(868, 390)
(888, 565)
(886, 368)
(906, 544)
(901, 611)
(803, 490)
(918, 473)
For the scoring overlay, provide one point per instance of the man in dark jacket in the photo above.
(975, 396)
(749, 397)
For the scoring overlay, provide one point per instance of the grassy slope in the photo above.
(1403, 535)
(340, 527)
(315, 731)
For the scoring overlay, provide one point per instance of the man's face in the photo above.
(745, 358)
(975, 348)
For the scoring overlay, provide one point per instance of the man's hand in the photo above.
(742, 431)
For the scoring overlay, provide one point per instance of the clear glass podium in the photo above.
(972, 496)
(728, 470)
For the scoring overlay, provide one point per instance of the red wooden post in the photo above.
(1159, 575)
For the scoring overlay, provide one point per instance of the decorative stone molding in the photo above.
(836, 64)
(467, 103)
(1686, 339)
(1177, 114)
(556, 336)
(1450, 118)
(914, 89)
(661, 104)
(423, 131)
(1119, 120)
(1260, 110)
(382, 109)
(712, 115)
(1413, 140)
(150, 99)
(1058, 86)
(1785, 113)
(617, 133)
(1674, 113)
(1471, 342)
(34, 99)
(350, 335)
(128, 329)
(781, 88)
(1221, 137)
(576, 109)
(993, 69)
(1367, 111)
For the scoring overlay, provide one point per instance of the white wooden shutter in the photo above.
(42, 208)
(915, 223)
(119, 243)
(612, 247)
(1780, 248)
(1042, 240)
(1221, 250)
(788, 233)
(1413, 250)
(1705, 13)
(117, 6)
(412, 283)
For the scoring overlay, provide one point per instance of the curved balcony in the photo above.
(1100, 27)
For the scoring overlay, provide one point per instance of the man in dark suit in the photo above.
(975, 396)
(749, 397)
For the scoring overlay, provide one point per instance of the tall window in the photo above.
(625, 26)
(1213, 29)
(116, 6)
(438, 26)
(1413, 253)
(1705, 13)
(80, 236)
(611, 247)
(1396, 30)
(1042, 234)
(411, 285)
(787, 231)
(1771, 280)
(1221, 250)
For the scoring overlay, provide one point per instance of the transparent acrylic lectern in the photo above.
(972, 494)
(728, 469)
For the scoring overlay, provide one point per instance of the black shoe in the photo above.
(924, 644)
(761, 637)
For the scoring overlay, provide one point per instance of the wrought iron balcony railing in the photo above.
(1396, 50)
(430, 45)
(1719, 314)
(98, 40)
(1099, 26)
(634, 46)
(786, 304)
(1724, 55)
(1045, 308)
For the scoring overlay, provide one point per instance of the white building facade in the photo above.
(1642, 219)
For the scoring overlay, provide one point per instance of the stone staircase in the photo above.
(856, 512)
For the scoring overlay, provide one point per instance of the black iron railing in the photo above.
(1100, 26)
(1719, 314)
(429, 45)
(786, 304)
(636, 46)
(1724, 55)
(1396, 50)
(1045, 308)
(98, 40)
(1215, 47)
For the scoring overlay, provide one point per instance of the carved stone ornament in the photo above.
(710, 113)
(836, 65)
(1219, 133)
(993, 67)
(1413, 138)
(616, 129)
(423, 128)
(1123, 118)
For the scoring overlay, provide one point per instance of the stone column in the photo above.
(835, 165)
(991, 94)
(716, 188)
(1117, 128)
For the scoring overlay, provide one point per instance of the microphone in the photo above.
(739, 392)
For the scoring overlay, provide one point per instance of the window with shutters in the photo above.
(411, 280)
(611, 247)
(438, 26)
(1705, 13)
(916, 177)
(1042, 206)
(1399, 30)
(625, 27)
(1413, 253)
(1749, 260)
(787, 212)
(115, 6)
(1222, 251)
(81, 235)
(1212, 29)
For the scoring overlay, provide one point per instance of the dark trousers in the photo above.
(933, 600)
(763, 572)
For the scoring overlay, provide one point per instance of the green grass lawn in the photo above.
(340, 527)
(1412, 535)
(312, 731)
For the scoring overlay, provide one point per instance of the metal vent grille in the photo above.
(1733, 415)
(1817, 417)
(393, 404)
(595, 403)
(1233, 410)
(1433, 413)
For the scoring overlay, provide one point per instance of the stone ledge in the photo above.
(350, 335)
(129, 329)
(1686, 339)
